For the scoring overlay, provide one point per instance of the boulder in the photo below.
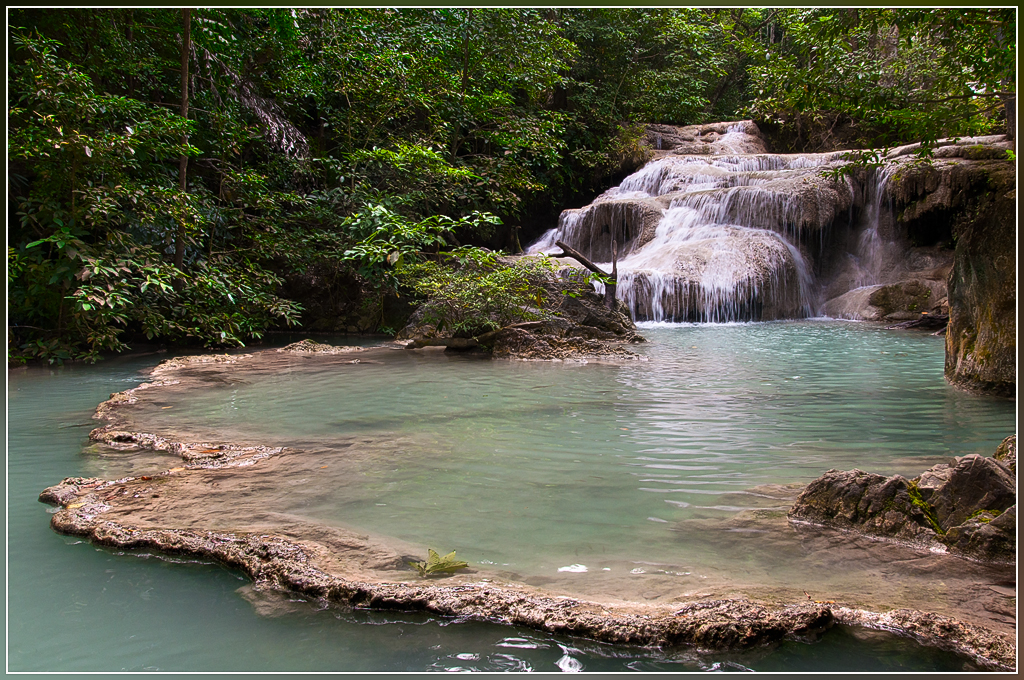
(866, 502)
(967, 506)
(574, 325)
(586, 309)
(1007, 453)
(558, 341)
(901, 301)
(988, 536)
(974, 483)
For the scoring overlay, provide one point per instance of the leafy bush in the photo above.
(470, 290)
(386, 240)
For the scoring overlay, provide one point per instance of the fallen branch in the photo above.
(611, 280)
(926, 321)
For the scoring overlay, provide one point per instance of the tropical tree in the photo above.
(895, 75)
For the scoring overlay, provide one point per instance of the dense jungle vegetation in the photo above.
(199, 176)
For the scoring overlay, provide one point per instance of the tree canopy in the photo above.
(369, 140)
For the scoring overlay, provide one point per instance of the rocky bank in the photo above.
(967, 506)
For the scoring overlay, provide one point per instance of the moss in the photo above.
(900, 296)
(923, 505)
(978, 514)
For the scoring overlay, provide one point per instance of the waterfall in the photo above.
(713, 238)
(874, 247)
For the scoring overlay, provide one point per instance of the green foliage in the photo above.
(856, 160)
(924, 507)
(88, 256)
(897, 75)
(387, 241)
(650, 65)
(436, 564)
(470, 291)
(371, 141)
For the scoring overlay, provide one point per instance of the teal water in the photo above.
(526, 467)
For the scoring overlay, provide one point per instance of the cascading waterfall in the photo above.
(716, 238)
(872, 246)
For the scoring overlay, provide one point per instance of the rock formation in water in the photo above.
(574, 324)
(716, 228)
(969, 505)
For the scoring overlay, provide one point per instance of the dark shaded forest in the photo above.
(203, 176)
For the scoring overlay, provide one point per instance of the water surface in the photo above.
(524, 467)
(660, 480)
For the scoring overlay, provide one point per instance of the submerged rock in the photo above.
(313, 347)
(215, 506)
(341, 571)
(967, 506)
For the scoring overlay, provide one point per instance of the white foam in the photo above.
(574, 568)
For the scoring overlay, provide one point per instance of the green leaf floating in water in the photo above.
(436, 564)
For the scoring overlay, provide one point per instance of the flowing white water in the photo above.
(718, 237)
(872, 244)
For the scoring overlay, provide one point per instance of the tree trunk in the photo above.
(456, 141)
(1010, 105)
(186, 48)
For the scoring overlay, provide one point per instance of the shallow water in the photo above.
(523, 467)
(590, 476)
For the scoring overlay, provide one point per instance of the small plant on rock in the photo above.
(436, 564)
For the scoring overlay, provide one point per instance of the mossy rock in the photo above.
(907, 296)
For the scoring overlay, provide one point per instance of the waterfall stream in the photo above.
(728, 236)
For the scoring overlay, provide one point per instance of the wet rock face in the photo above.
(866, 502)
(968, 506)
(630, 222)
(737, 274)
(691, 225)
(706, 139)
(977, 198)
